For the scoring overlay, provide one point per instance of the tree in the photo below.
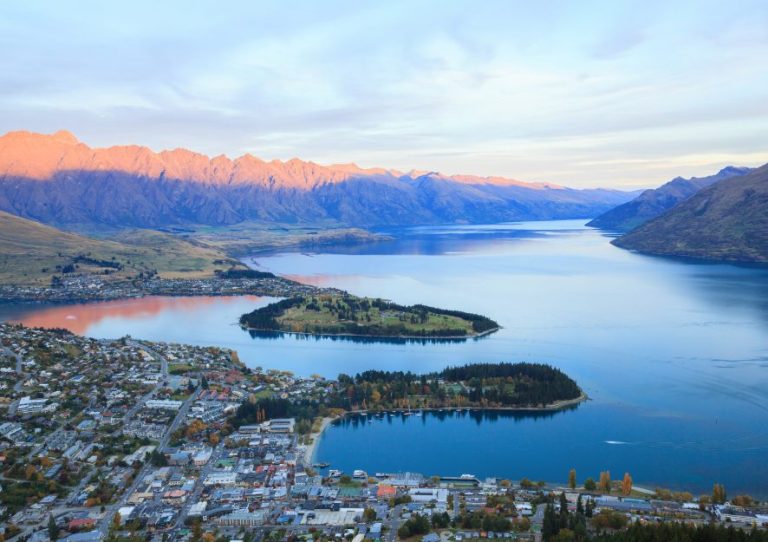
(525, 483)
(369, 515)
(572, 479)
(563, 511)
(626, 484)
(605, 481)
(743, 500)
(589, 508)
(116, 521)
(589, 484)
(550, 525)
(53, 529)
(718, 494)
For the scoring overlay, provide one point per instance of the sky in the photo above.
(605, 93)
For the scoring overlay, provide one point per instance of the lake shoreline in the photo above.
(382, 337)
(311, 450)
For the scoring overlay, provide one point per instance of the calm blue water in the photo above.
(674, 355)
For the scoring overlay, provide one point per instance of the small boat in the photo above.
(321, 465)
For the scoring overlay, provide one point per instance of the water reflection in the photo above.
(424, 416)
(82, 318)
(358, 339)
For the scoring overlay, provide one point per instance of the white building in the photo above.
(163, 404)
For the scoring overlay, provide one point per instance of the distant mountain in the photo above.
(655, 202)
(727, 221)
(58, 180)
(31, 253)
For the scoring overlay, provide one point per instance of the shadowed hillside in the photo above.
(653, 203)
(727, 221)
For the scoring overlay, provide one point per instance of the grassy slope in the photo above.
(727, 221)
(252, 237)
(298, 318)
(27, 247)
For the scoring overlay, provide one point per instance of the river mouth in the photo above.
(672, 354)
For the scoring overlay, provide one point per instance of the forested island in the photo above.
(345, 314)
(513, 386)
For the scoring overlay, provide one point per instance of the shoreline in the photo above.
(382, 337)
(557, 405)
(311, 450)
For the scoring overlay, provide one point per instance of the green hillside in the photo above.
(32, 253)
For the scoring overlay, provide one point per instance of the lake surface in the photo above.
(674, 355)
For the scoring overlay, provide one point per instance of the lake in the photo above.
(673, 354)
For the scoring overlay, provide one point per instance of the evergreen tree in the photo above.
(563, 519)
(572, 479)
(549, 528)
(53, 529)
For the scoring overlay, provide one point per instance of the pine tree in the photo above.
(572, 479)
(563, 511)
(549, 527)
(53, 529)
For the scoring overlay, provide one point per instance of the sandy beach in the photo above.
(309, 452)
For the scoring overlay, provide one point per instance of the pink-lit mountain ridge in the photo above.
(58, 180)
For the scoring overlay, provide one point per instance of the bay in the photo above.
(673, 354)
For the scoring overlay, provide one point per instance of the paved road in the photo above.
(181, 415)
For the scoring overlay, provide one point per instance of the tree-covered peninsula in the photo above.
(513, 386)
(345, 314)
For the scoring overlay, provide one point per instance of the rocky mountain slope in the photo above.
(655, 202)
(58, 180)
(727, 221)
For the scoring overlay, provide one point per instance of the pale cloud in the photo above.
(583, 94)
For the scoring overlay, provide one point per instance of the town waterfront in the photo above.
(672, 354)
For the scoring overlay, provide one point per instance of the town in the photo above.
(128, 440)
(96, 287)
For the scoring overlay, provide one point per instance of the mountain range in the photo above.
(725, 221)
(654, 202)
(58, 180)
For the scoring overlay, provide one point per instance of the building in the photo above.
(243, 518)
(163, 404)
(282, 425)
(220, 479)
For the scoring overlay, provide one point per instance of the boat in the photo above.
(321, 465)
(335, 473)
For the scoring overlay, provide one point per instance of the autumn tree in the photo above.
(572, 479)
(718, 494)
(743, 500)
(605, 481)
(626, 484)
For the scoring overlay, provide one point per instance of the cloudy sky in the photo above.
(624, 94)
